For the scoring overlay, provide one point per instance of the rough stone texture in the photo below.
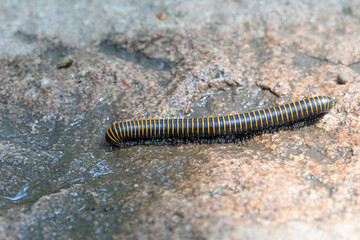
(156, 59)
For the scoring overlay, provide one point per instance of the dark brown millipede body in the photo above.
(218, 127)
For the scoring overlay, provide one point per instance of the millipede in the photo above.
(222, 128)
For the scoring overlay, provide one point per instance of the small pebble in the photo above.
(342, 78)
(161, 16)
(64, 64)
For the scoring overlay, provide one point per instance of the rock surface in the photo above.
(156, 59)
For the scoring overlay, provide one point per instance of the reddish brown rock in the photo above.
(155, 59)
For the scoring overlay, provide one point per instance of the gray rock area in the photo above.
(172, 59)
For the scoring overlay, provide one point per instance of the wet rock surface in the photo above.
(155, 59)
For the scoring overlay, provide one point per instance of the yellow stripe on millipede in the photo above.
(123, 127)
(224, 125)
(245, 121)
(229, 124)
(138, 126)
(277, 119)
(297, 114)
(197, 126)
(151, 128)
(126, 130)
(203, 128)
(287, 115)
(218, 120)
(168, 126)
(240, 122)
(163, 124)
(146, 128)
(315, 105)
(250, 120)
(312, 111)
(213, 123)
(270, 113)
(234, 122)
(291, 111)
(320, 103)
(302, 112)
(116, 131)
(142, 128)
(208, 125)
(120, 130)
(177, 127)
(262, 126)
(255, 119)
(113, 135)
(154, 124)
(282, 116)
(271, 117)
(267, 124)
(182, 126)
(306, 107)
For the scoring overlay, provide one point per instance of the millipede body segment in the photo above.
(228, 127)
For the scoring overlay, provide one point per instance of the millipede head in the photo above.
(109, 138)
